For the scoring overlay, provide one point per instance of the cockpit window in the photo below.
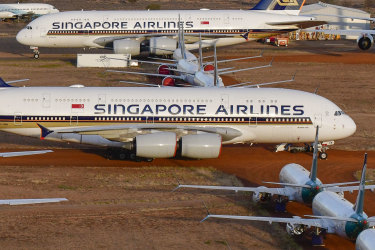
(29, 27)
(340, 112)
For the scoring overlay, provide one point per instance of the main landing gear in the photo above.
(36, 52)
(322, 148)
(122, 154)
(317, 238)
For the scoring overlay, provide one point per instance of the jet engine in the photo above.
(162, 46)
(164, 70)
(295, 229)
(365, 41)
(127, 46)
(7, 14)
(156, 145)
(201, 146)
(168, 81)
(209, 67)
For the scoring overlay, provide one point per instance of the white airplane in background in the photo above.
(130, 32)
(298, 184)
(332, 214)
(366, 240)
(28, 201)
(154, 122)
(16, 10)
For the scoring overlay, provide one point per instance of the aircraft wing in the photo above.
(300, 24)
(22, 153)
(320, 223)
(126, 132)
(276, 191)
(30, 201)
(145, 74)
(337, 189)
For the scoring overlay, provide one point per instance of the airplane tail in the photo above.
(290, 6)
(314, 166)
(358, 207)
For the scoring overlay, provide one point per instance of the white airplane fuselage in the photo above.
(97, 29)
(261, 115)
(328, 203)
(20, 9)
(296, 174)
(366, 240)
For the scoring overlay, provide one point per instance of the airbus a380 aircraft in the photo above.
(23, 9)
(154, 122)
(130, 32)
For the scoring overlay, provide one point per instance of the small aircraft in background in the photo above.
(28, 201)
(297, 183)
(21, 10)
(332, 214)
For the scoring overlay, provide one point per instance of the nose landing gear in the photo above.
(36, 52)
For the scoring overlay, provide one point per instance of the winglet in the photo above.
(44, 132)
(3, 84)
(208, 212)
(358, 207)
(314, 166)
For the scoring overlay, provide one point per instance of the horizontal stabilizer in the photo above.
(332, 218)
(287, 184)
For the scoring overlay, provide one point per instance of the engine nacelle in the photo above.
(294, 229)
(156, 145)
(127, 46)
(201, 146)
(168, 81)
(365, 41)
(7, 14)
(164, 70)
(162, 46)
(209, 67)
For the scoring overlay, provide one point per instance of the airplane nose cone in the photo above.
(21, 37)
(350, 126)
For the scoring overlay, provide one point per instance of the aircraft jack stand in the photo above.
(317, 239)
(280, 205)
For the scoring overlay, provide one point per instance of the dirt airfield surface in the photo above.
(122, 204)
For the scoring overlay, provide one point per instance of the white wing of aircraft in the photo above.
(28, 201)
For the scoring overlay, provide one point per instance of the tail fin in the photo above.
(358, 207)
(292, 6)
(314, 166)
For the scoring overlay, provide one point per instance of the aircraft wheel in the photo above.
(36, 56)
(323, 155)
(122, 156)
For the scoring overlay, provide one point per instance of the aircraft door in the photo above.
(73, 120)
(18, 119)
(253, 121)
(46, 100)
(43, 32)
(318, 120)
(226, 20)
(102, 99)
(150, 120)
(225, 102)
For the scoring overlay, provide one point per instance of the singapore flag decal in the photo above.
(205, 22)
(77, 108)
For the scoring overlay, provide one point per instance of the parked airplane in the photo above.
(366, 240)
(332, 214)
(130, 32)
(25, 9)
(27, 201)
(149, 121)
(298, 184)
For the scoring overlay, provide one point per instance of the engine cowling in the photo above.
(156, 145)
(294, 229)
(162, 46)
(365, 42)
(127, 46)
(164, 70)
(168, 81)
(201, 146)
(209, 67)
(7, 14)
